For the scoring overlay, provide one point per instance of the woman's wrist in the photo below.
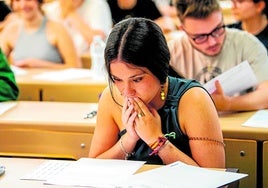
(127, 153)
(158, 144)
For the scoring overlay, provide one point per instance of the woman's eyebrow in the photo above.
(131, 77)
(137, 75)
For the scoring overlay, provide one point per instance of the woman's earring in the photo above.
(162, 93)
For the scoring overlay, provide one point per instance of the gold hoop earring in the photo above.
(162, 94)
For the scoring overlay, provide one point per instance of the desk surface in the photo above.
(16, 168)
(54, 116)
(27, 79)
(51, 129)
(70, 116)
(232, 127)
(75, 90)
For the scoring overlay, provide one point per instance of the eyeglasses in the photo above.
(201, 38)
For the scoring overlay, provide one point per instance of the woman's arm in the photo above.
(63, 41)
(200, 122)
(105, 142)
(254, 100)
(7, 40)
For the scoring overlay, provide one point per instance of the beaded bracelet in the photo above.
(207, 139)
(127, 155)
(157, 145)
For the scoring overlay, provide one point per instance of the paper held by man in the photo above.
(235, 80)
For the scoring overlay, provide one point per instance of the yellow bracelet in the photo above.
(158, 144)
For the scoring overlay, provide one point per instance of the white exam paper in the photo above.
(90, 172)
(234, 80)
(179, 174)
(259, 119)
(5, 106)
(47, 169)
(18, 71)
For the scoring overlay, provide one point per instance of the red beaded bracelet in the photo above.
(157, 145)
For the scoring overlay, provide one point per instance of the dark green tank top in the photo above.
(170, 123)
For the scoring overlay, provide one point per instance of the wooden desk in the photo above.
(78, 90)
(47, 129)
(244, 146)
(57, 129)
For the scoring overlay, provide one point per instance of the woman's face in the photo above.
(126, 4)
(133, 81)
(245, 9)
(15, 5)
(28, 9)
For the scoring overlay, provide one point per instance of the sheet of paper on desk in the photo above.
(95, 172)
(179, 174)
(236, 79)
(259, 119)
(63, 75)
(47, 170)
(17, 70)
(5, 106)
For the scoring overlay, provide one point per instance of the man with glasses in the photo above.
(208, 48)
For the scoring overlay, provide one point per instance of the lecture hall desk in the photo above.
(47, 129)
(246, 149)
(77, 90)
(57, 129)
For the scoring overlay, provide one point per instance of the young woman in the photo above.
(154, 117)
(36, 41)
(84, 19)
(252, 17)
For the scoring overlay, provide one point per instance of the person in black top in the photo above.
(252, 17)
(4, 10)
(122, 9)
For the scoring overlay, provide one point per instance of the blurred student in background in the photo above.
(83, 19)
(8, 14)
(9, 89)
(207, 49)
(4, 12)
(122, 9)
(252, 17)
(36, 41)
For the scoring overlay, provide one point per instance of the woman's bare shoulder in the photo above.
(110, 98)
(55, 25)
(8, 40)
(12, 27)
(106, 96)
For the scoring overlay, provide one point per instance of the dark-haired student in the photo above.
(252, 17)
(155, 117)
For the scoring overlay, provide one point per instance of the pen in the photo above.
(2, 170)
(91, 114)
